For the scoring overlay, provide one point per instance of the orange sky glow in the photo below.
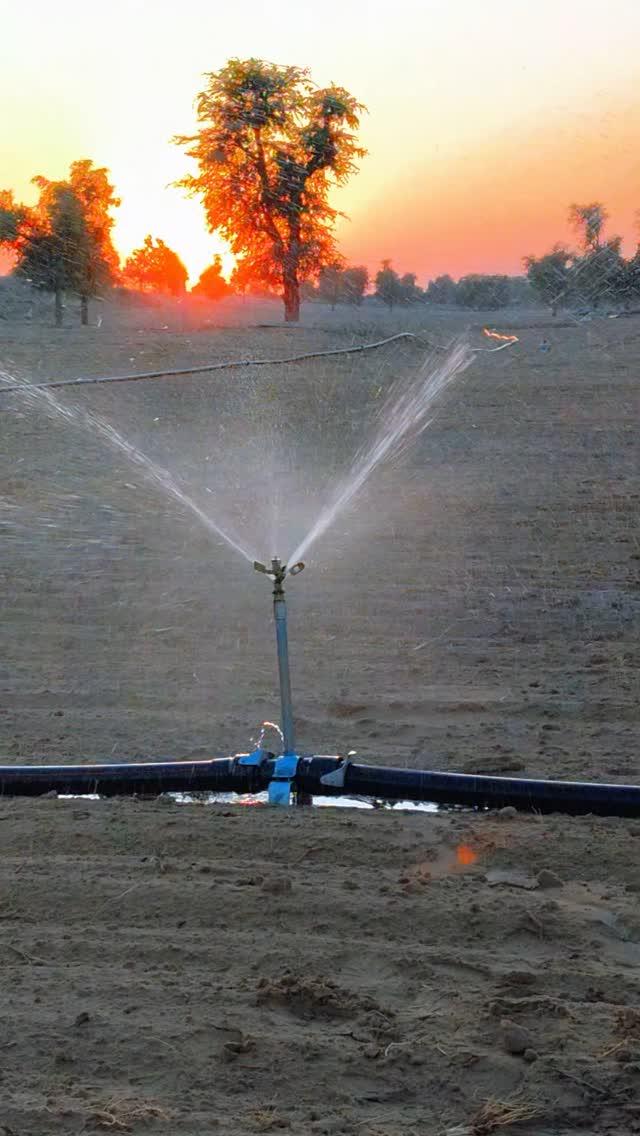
(485, 120)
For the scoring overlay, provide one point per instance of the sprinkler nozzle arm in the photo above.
(277, 570)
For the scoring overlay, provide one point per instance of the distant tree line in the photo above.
(339, 284)
(63, 245)
(473, 291)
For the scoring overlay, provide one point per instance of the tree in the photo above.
(388, 286)
(550, 276)
(12, 216)
(411, 293)
(212, 284)
(337, 285)
(633, 277)
(155, 268)
(269, 147)
(600, 275)
(588, 222)
(442, 290)
(355, 281)
(30, 233)
(96, 194)
(53, 243)
(331, 284)
(480, 291)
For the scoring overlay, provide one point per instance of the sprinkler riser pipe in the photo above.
(286, 704)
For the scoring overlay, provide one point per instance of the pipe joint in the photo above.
(282, 783)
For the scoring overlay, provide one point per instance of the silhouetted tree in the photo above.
(330, 284)
(53, 243)
(11, 217)
(479, 291)
(633, 277)
(155, 268)
(600, 276)
(442, 290)
(588, 221)
(550, 276)
(338, 285)
(97, 196)
(388, 286)
(269, 147)
(410, 292)
(29, 232)
(212, 283)
(355, 281)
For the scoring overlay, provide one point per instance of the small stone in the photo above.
(515, 1039)
(507, 813)
(82, 1019)
(50, 796)
(548, 879)
(277, 885)
(371, 1051)
(530, 1056)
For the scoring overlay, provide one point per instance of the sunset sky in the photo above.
(486, 119)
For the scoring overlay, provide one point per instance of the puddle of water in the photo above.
(262, 799)
(322, 802)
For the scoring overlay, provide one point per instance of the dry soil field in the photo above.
(194, 969)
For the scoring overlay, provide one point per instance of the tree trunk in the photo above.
(290, 274)
(84, 310)
(58, 307)
(291, 297)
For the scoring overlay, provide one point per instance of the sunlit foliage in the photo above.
(269, 147)
(53, 244)
(63, 243)
(96, 197)
(212, 284)
(155, 268)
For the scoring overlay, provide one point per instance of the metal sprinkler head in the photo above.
(279, 572)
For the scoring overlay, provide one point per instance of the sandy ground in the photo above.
(192, 969)
(477, 610)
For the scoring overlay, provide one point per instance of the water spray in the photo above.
(289, 775)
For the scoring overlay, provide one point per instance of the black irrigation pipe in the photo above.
(206, 368)
(325, 776)
(91, 380)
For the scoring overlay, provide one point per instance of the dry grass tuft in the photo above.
(495, 1115)
(120, 1114)
(268, 1119)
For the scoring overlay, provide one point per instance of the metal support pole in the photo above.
(286, 706)
(279, 572)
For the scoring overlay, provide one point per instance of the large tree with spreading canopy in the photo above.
(269, 147)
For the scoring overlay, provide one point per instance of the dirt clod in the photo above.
(515, 1038)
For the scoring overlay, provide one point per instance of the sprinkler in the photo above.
(291, 776)
(286, 766)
